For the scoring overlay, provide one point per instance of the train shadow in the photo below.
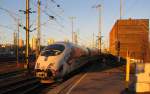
(98, 64)
(103, 62)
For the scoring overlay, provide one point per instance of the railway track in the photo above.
(8, 67)
(6, 75)
(18, 82)
(21, 85)
(7, 62)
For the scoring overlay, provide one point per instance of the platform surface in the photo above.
(110, 81)
(106, 82)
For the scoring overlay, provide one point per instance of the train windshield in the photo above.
(53, 50)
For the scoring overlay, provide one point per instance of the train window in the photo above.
(53, 50)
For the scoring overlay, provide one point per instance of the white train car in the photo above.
(59, 59)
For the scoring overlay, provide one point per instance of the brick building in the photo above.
(148, 55)
(131, 35)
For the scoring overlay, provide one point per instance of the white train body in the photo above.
(59, 59)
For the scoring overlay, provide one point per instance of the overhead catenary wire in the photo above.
(61, 26)
(17, 22)
(9, 13)
(57, 23)
(45, 12)
(7, 27)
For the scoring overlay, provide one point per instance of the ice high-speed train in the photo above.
(59, 59)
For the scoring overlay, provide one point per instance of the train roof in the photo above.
(66, 44)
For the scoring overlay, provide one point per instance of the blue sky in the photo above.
(86, 21)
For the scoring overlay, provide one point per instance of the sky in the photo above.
(85, 22)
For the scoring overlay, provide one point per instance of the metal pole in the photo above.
(38, 29)
(99, 41)
(18, 43)
(75, 38)
(27, 34)
(72, 25)
(72, 29)
(93, 41)
(15, 42)
(100, 27)
(120, 9)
